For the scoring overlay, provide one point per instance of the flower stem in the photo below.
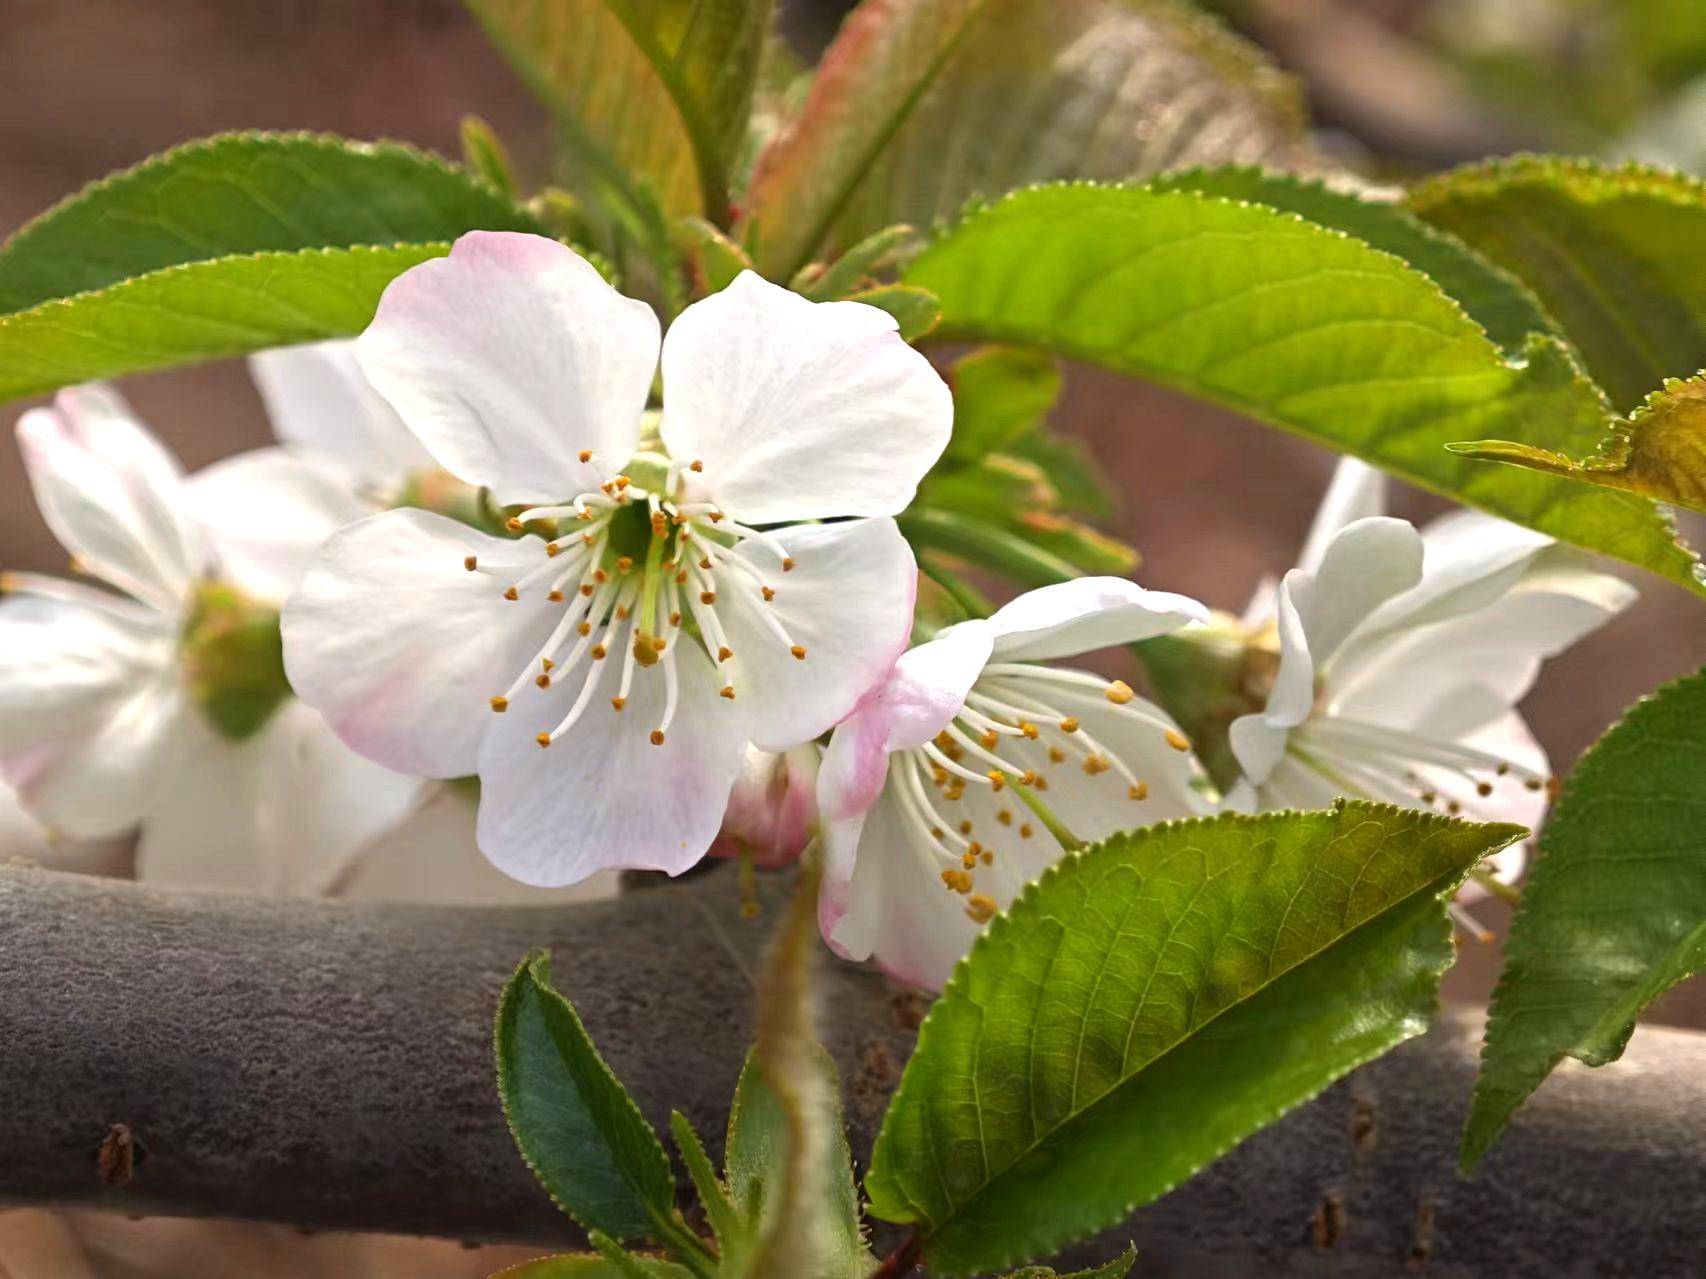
(1497, 887)
(1059, 829)
(902, 1261)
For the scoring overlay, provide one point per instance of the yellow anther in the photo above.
(599, 652)
(705, 563)
(1028, 729)
(500, 704)
(586, 455)
(1094, 764)
(617, 703)
(512, 594)
(1483, 789)
(988, 857)
(544, 740)
(471, 563)
(622, 611)
(788, 564)
(1038, 782)
(624, 563)
(696, 465)
(965, 828)
(622, 481)
(660, 524)
(707, 597)
(981, 909)
(644, 653)
(552, 550)
(723, 654)
(588, 538)
(1056, 755)
(546, 663)
(769, 593)
(675, 619)
(1139, 791)
(584, 515)
(1005, 817)
(958, 881)
(716, 517)
(544, 681)
(681, 578)
(586, 588)
(607, 487)
(657, 737)
(969, 861)
(728, 691)
(1025, 831)
(1069, 724)
(659, 643)
(1119, 692)
(936, 832)
(600, 576)
(556, 597)
(990, 740)
(1028, 778)
(997, 779)
(584, 628)
(513, 524)
(798, 652)
(1533, 783)
(1177, 740)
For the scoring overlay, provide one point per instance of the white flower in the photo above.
(109, 702)
(771, 815)
(1401, 657)
(925, 835)
(659, 630)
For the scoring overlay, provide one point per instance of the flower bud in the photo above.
(772, 811)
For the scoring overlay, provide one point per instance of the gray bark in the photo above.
(329, 1065)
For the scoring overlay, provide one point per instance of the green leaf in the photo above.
(199, 311)
(981, 542)
(655, 94)
(1494, 298)
(1150, 1003)
(1118, 1268)
(576, 1126)
(853, 268)
(1296, 325)
(588, 1266)
(713, 1195)
(1614, 910)
(484, 153)
(1613, 253)
(917, 107)
(715, 260)
(1658, 451)
(914, 309)
(245, 193)
(1000, 394)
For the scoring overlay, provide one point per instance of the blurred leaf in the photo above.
(1614, 910)
(715, 260)
(1494, 298)
(914, 309)
(1069, 466)
(1613, 253)
(575, 1125)
(786, 1160)
(1297, 325)
(1150, 1003)
(849, 272)
(483, 153)
(987, 545)
(1000, 393)
(242, 193)
(1086, 548)
(996, 487)
(656, 94)
(587, 1266)
(1659, 451)
(199, 311)
(1118, 1268)
(920, 104)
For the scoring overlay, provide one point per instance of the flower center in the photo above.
(638, 572)
(1019, 724)
(233, 659)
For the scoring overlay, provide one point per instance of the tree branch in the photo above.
(329, 1064)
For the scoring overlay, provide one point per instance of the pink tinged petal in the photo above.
(1356, 492)
(602, 796)
(401, 648)
(111, 494)
(1085, 614)
(431, 857)
(772, 811)
(320, 401)
(510, 357)
(282, 812)
(266, 513)
(847, 603)
(90, 702)
(798, 409)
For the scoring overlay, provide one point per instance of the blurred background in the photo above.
(1399, 87)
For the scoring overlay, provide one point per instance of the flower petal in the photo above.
(401, 648)
(266, 512)
(772, 811)
(847, 602)
(510, 357)
(1356, 492)
(320, 401)
(798, 409)
(281, 812)
(1085, 614)
(110, 493)
(90, 705)
(431, 857)
(602, 796)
